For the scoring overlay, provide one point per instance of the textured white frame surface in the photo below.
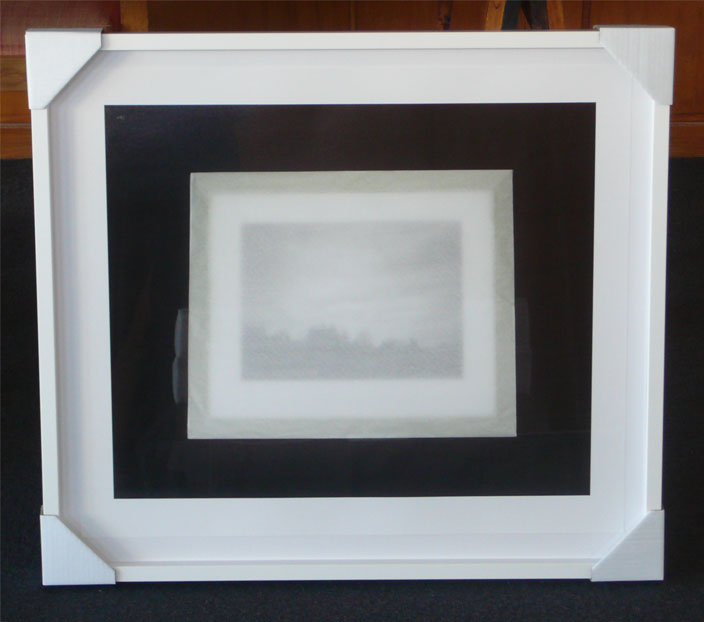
(84, 547)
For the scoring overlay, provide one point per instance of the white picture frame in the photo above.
(614, 533)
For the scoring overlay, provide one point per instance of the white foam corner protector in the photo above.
(54, 57)
(647, 53)
(67, 560)
(639, 555)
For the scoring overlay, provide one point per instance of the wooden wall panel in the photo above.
(401, 15)
(686, 139)
(16, 17)
(14, 107)
(493, 15)
(258, 16)
(15, 142)
(13, 73)
(309, 15)
(468, 15)
(15, 132)
(134, 15)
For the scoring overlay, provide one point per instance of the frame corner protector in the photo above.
(54, 57)
(639, 555)
(67, 559)
(647, 53)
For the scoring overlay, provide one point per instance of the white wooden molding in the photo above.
(46, 319)
(355, 570)
(647, 53)
(67, 560)
(658, 271)
(639, 555)
(350, 40)
(53, 58)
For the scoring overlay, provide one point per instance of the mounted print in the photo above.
(351, 304)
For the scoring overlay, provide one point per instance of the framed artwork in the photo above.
(335, 306)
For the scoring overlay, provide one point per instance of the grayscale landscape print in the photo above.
(351, 300)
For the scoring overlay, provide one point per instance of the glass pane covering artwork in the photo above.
(350, 300)
(351, 304)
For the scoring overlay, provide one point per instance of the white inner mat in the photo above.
(351, 304)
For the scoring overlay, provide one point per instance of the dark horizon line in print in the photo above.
(326, 352)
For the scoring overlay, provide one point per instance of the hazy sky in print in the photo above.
(395, 280)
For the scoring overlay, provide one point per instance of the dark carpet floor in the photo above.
(679, 597)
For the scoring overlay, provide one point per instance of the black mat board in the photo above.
(150, 153)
